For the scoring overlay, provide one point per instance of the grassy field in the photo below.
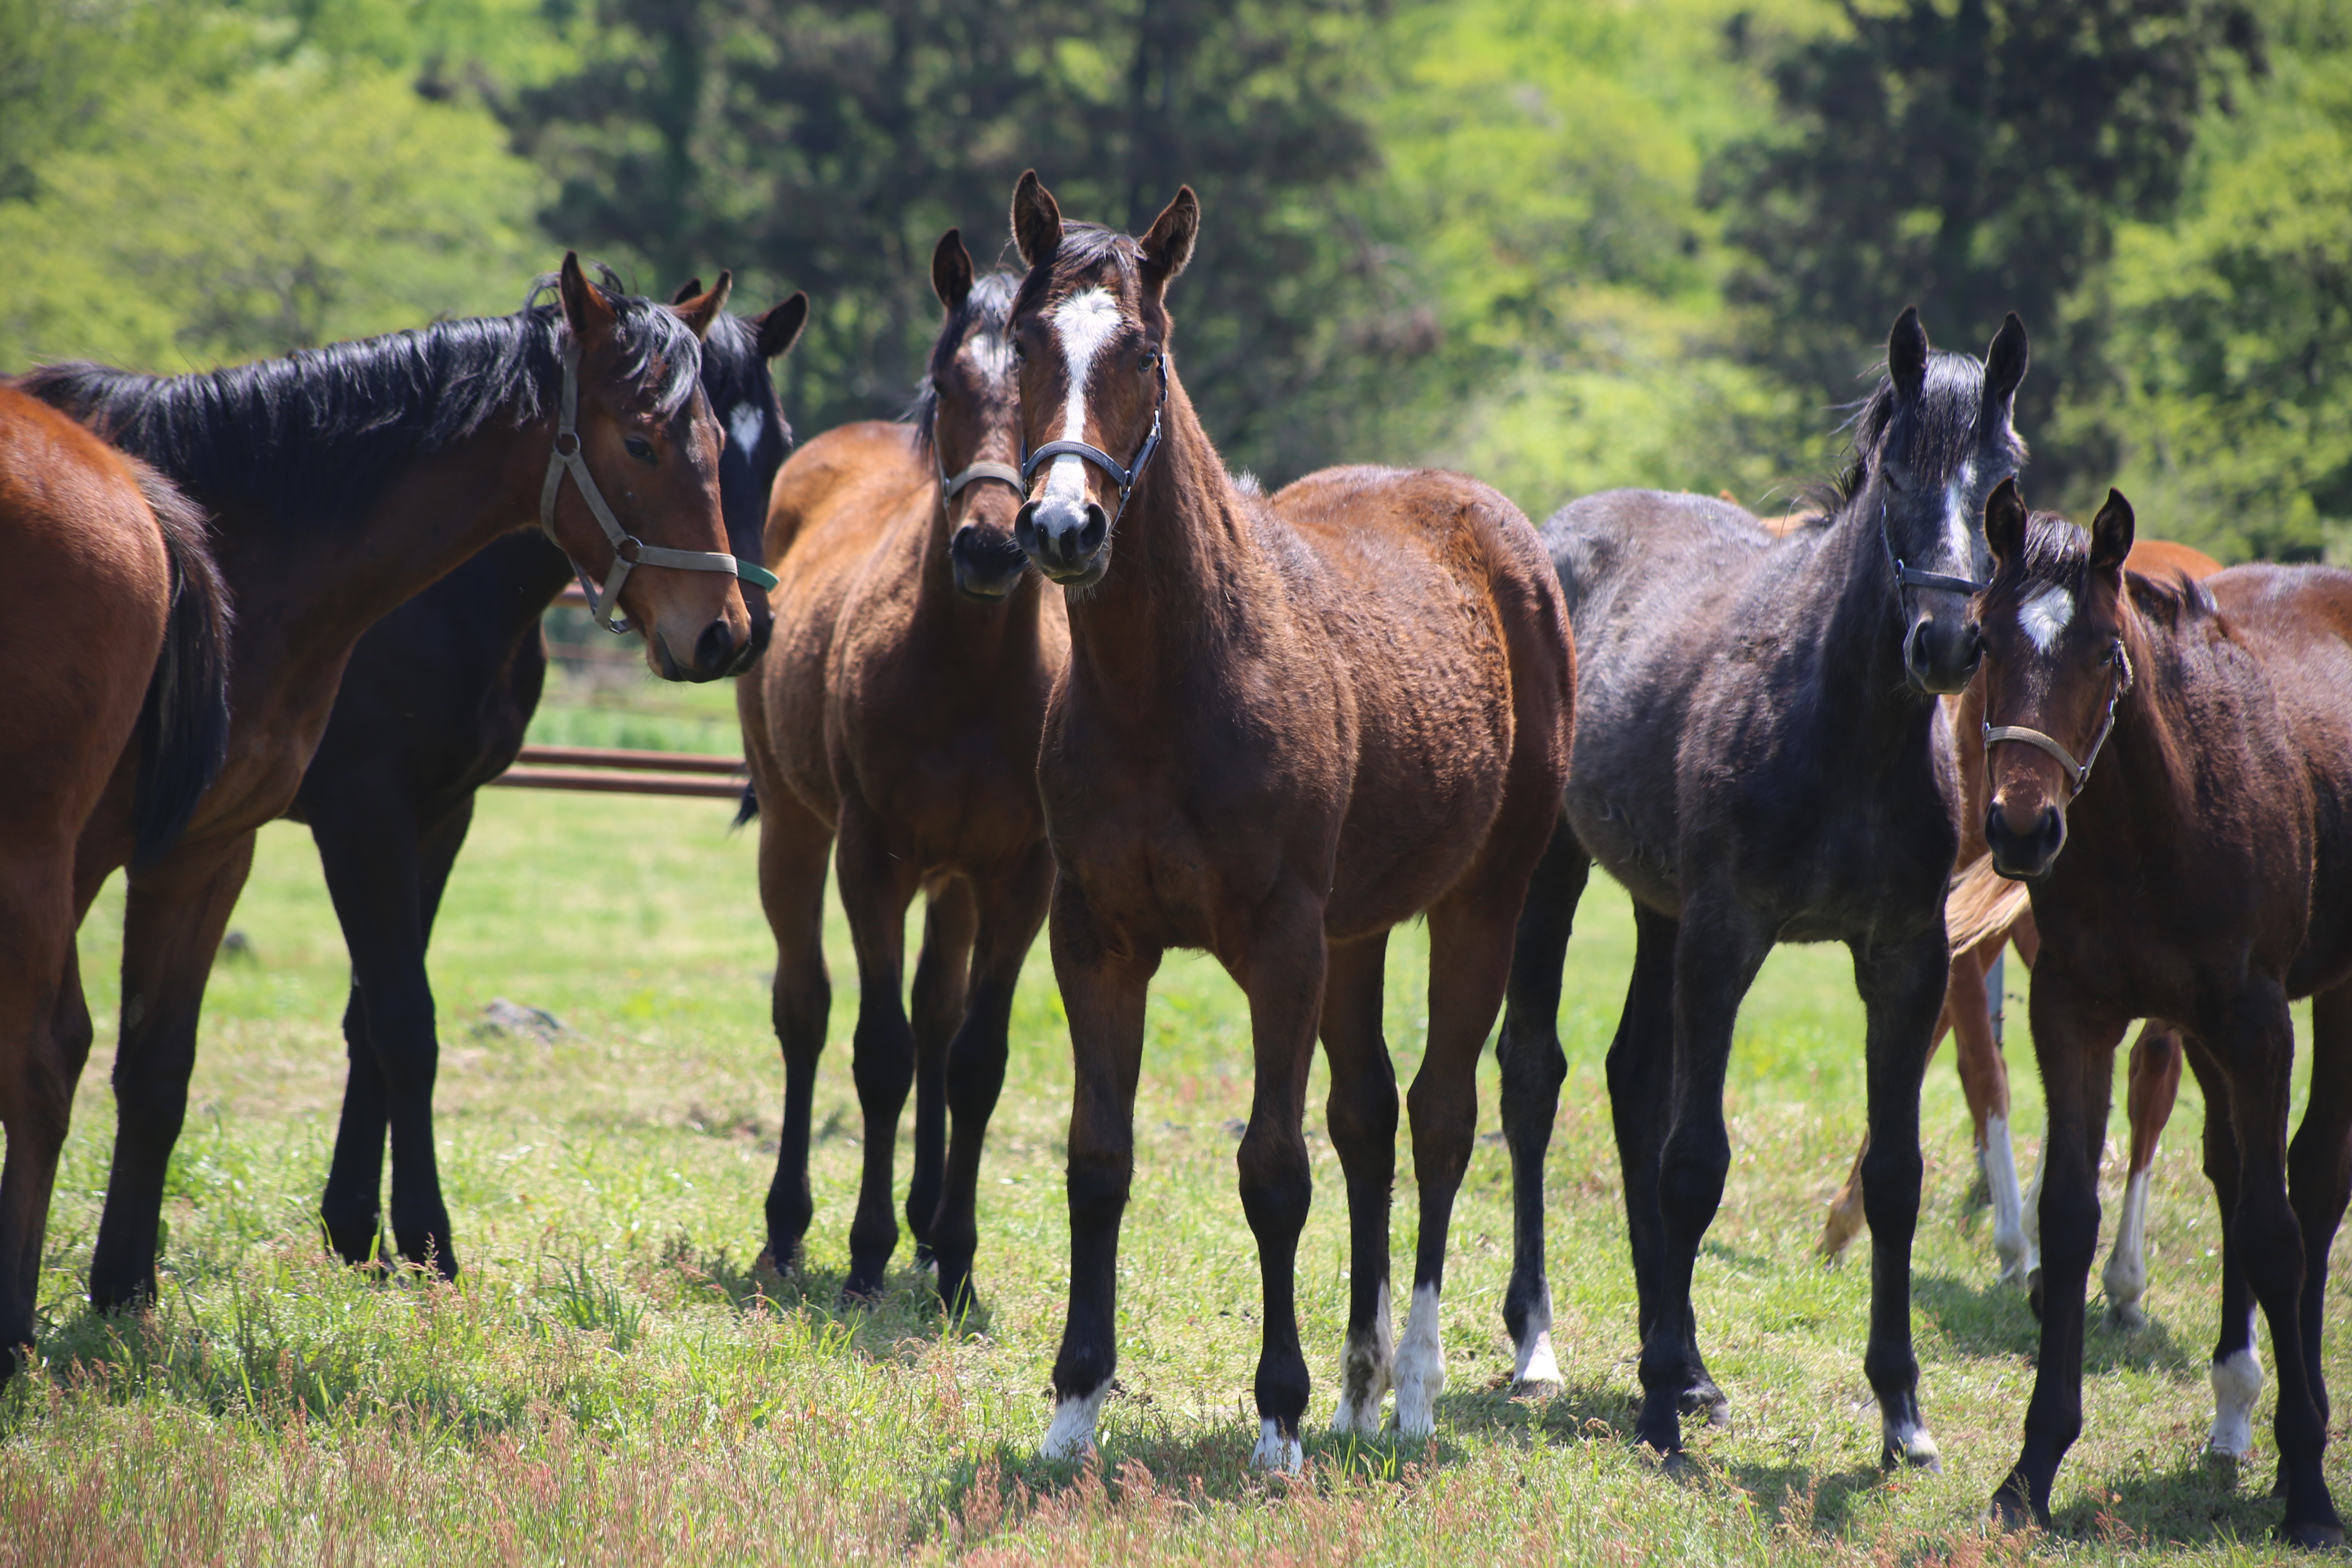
(613, 1379)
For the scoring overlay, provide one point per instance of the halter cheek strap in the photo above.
(1124, 478)
(629, 552)
(2078, 772)
(1913, 577)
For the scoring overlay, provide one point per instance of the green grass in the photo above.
(613, 1379)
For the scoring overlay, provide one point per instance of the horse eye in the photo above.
(1151, 359)
(640, 448)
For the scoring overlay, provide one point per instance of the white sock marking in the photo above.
(2009, 1239)
(2126, 1276)
(1274, 1451)
(1072, 1434)
(2237, 1384)
(1084, 323)
(1420, 1367)
(2045, 616)
(1536, 1362)
(1367, 1372)
(1909, 1439)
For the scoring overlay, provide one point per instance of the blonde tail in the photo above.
(1980, 903)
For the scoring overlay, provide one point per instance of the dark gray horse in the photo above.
(1758, 760)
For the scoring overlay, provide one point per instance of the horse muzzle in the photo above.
(1940, 655)
(2024, 847)
(987, 564)
(1066, 538)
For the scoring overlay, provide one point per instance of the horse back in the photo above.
(1441, 609)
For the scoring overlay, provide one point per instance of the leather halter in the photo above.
(1124, 478)
(2079, 773)
(1002, 473)
(629, 552)
(1911, 576)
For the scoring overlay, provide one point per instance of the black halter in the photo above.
(1124, 478)
(1911, 576)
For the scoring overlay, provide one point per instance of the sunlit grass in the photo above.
(613, 1379)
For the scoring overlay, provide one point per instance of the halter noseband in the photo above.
(629, 551)
(2078, 772)
(1002, 473)
(1911, 576)
(1124, 478)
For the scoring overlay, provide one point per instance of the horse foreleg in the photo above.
(950, 919)
(2152, 1082)
(1362, 1116)
(1533, 1067)
(793, 845)
(1716, 957)
(2236, 1368)
(1011, 909)
(173, 924)
(2075, 1046)
(1103, 989)
(877, 886)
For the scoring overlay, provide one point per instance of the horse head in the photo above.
(1089, 335)
(2055, 666)
(966, 414)
(1932, 443)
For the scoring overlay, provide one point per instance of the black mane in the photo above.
(990, 307)
(319, 431)
(1944, 430)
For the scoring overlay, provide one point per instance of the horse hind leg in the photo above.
(877, 886)
(2319, 1165)
(2153, 1081)
(41, 1057)
(1533, 1067)
(1362, 1116)
(793, 846)
(1984, 1079)
(949, 920)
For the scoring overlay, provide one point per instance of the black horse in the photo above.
(1758, 760)
(432, 706)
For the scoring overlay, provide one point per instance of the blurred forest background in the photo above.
(1561, 243)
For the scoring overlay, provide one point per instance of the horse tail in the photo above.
(1981, 904)
(183, 725)
(747, 809)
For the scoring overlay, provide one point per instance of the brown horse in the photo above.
(104, 556)
(342, 481)
(1283, 729)
(2170, 770)
(898, 712)
(1983, 916)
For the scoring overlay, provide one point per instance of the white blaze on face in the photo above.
(2045, 616)
(1961, 519)
(744, 428)
(1084, 323)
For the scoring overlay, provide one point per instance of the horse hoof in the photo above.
(1277, 1452)
(2313, 1535)
(1536, 1388)
(2127, 1316)
(1707, 1402)
(2011, 1509)
(1681, 1467)
(2221, 1465)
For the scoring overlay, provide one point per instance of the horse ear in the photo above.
(686, 290)
(1036, 221)
(779, 329)
(2111, 534)
(700, 312)
(1169, 243)
(2005, 521)
(1907, 354)
(2005, 364)
(951, 271)
(586, 311)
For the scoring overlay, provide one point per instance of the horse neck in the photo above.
(973, 627)
(2134, 798)
(1181, 560)
(1861, 637)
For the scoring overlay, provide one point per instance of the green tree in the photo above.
(826, 146)
(1971, 157)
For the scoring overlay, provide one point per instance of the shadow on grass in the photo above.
(1583, 1409)
(1821, 1502)
(883, 1327)
(1993, 1320)
(2193, 1505)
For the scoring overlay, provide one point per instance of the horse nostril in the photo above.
(1097, 526)
(714, 650)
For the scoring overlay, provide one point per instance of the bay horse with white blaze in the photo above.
(342, 480)
(1283, 729)
(896, 717)
(2170, 770)
(108, 560)
(433, 704)
(1757, 760)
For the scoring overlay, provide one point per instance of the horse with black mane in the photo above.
(108, 560)
(433, 704)
(1757, 760)
(2170, 772)
(342, 480)
(1285, 728)
(894, 726)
